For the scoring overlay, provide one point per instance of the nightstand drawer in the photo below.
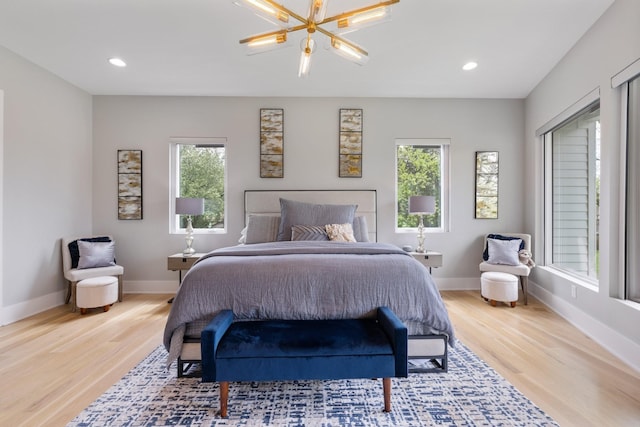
(181, 262)
(429, 258)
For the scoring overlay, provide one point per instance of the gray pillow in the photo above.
(503, 251)
(309, 232)
(360, 229)
(262, 229)
(96, 254)
(294, 213)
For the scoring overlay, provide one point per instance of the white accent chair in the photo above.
(74, 275)
(522, 270)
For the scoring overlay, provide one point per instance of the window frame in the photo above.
(445, 167)
(174, 220)
(621, 81)
(545, 134)
(630, 242)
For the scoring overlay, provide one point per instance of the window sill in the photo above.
(201, 231)
(573, 279)
(631, 304)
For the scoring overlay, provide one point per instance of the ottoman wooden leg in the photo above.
(386, 387)
(106, 308)
(83, 311)
(492, 302)
(224, 397)
(513, 303)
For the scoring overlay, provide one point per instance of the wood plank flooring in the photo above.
(56, 363)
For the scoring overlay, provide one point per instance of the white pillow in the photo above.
(503, 251)
(340, 232)
(96, 254)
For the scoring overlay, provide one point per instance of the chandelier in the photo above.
(334, 27)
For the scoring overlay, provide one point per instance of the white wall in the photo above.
(609, 46)
(311, 162)
(46, 182)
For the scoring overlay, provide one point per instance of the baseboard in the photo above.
(616, 343)
(457, 283)
(150, 286)
(22, 310)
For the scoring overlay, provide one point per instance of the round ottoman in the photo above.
(497, 286)
(96, 292)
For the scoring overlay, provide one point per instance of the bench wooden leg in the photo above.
(224, 397)
(386, 387)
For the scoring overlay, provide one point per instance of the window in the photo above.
(632, 202)
(422, 170)
(198, 169)
(572, 187)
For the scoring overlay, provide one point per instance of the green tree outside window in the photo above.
(201, 175)
(419, 174)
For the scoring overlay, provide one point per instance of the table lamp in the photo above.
(421, 205)
(189, 206)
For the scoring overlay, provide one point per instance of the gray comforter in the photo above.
(307, 280)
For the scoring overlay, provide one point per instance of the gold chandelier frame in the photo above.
(345, 22)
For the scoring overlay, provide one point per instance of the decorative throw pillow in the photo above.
(340, 232)
(292, 213)
(262, 229)
(73, 248)
(485, 254)
(309, 232)
(96, 254)
(503, 251)
(360, 229)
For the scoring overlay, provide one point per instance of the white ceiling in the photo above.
(190, 47)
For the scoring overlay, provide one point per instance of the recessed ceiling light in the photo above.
(469, 66)
(117, 62)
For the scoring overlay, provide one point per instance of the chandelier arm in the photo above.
(355, 11)
(343, 40)
(290, 12)
(273, 33)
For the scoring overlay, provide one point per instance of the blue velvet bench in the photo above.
(274, 350)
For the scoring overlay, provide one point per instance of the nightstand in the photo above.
(181, 262)
(428, 258)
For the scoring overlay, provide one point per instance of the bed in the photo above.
(288, 267)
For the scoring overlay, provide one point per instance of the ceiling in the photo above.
(190, 47)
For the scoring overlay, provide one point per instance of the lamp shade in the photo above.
(189, 206)
(421, 205)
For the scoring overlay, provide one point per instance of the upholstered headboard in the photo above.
(267, 202)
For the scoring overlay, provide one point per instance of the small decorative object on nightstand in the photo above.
(421, 205)
(428, 258)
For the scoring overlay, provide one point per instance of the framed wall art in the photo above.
(487, 184)
(350, 160)
(271, 143)
(129, 184)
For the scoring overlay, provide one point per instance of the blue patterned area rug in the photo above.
(470, 394)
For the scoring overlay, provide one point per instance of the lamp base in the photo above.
(188, 251)
(420, 248)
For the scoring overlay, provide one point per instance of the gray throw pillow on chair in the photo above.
(96, 254)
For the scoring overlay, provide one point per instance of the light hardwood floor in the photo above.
(56, 363)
